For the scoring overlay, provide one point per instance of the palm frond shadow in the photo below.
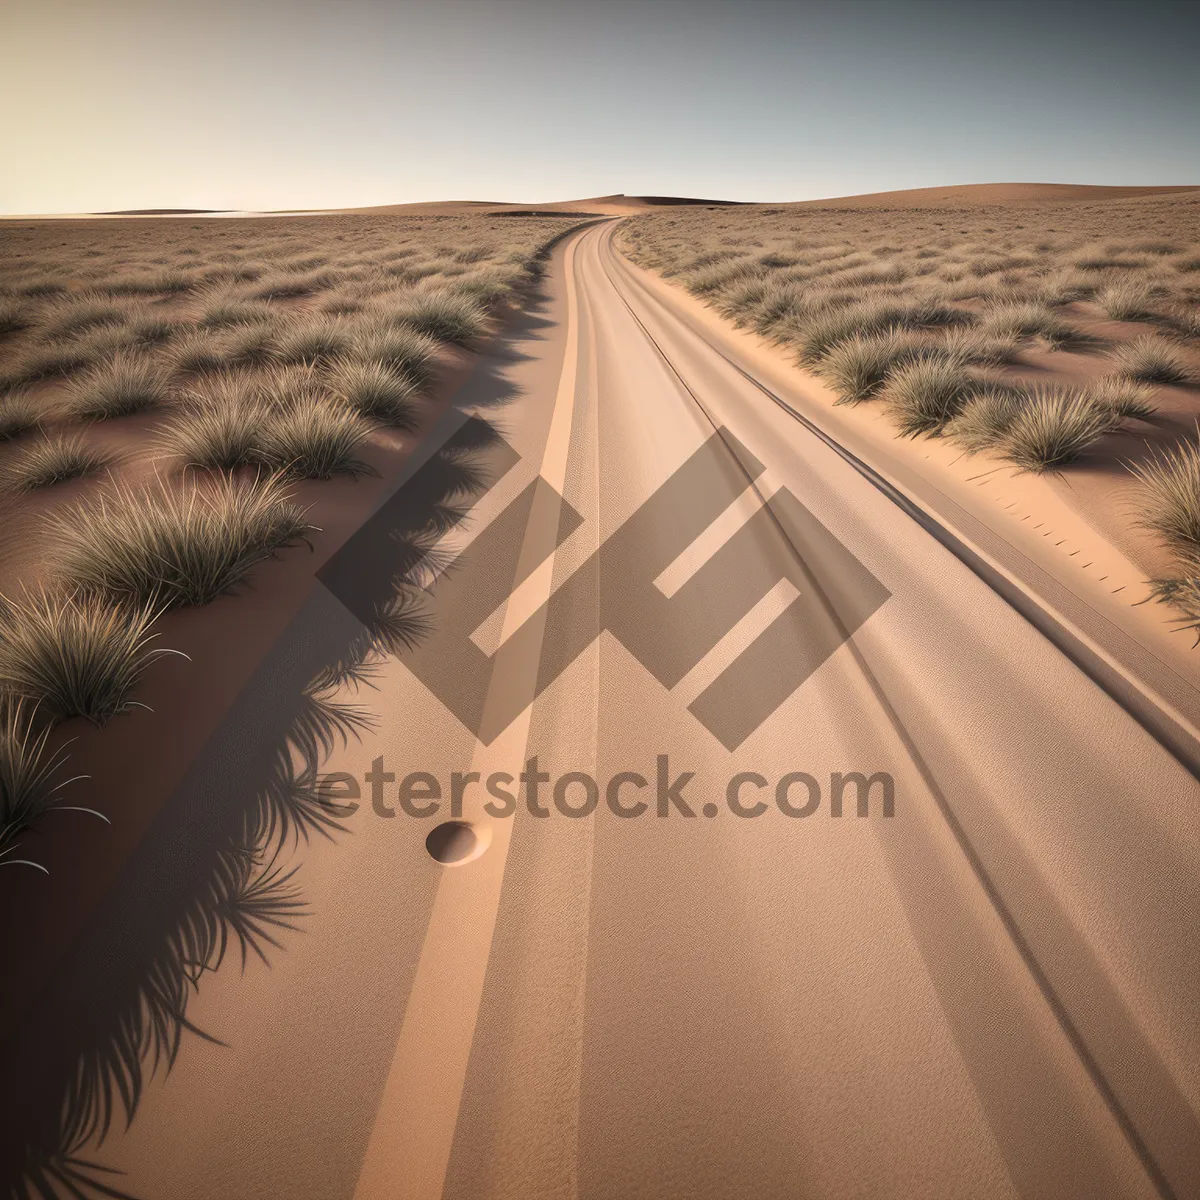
(215, 876)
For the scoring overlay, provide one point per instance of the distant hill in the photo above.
(972, 195)
(157, 212)
(967, 195)
(614, 205)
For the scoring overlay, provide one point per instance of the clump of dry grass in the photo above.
(198, 353)
(925, 395)
(486, 287)
(28, 789)
(715, 277)
(1183, 322)
(315, 438)
(398, 348)
(444, 316)
(19, 413)
(170, 546)
(779, 308)
(281, 386)
(217, 427)
(1170, 505)
(1021, 319)
(14, 316)
(53, 362)
(987, 416)
(1170, 508)
(975, 347)
(1182, 593)
(165, 281)
(375, 392)
(250, 345)
(230, 311)
(75, 316)
(286, 285)
(342, 305)
(857, 366)
(73, 655)
(823, 331)
(1127, 399)
(122, 385)
(1126, 300)
(1055, 428)
(49, 461)
(40, 288)
(1151, 360)
(312, 340)
(149, 330)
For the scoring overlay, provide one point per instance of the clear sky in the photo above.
(114, 104)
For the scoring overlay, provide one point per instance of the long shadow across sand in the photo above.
(212, 877)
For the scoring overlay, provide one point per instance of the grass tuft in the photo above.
(1150, 360)
(312, 340)
(284, 285)
(13, 316)
(1055, 428)
(822, 331)
(444, 316)
(485, 287)
(171, 546)
(1023, 319)
(925, 395)
(1170, 505)
(222, 314)
(27, 770)
(375, 392)
(199, 353)
(74, 655)
(1128, 399)
(249, 345)
(151, 330)
(975, 347)
(53, 362)
(857, 367)
(76, 316)
(19, 413)
(1183, 594)
(49, 461)
(315, 438)
(1127, 300)
(402, 350)
(118, 387)
(217, 427)
(985, 419)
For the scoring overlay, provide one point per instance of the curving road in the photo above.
(978, 980)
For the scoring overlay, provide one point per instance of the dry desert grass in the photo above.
(230, 359)
(1043, 337)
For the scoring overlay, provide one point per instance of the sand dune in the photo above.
(971, 195)
(617, 204)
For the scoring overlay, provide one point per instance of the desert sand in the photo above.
(987, 995)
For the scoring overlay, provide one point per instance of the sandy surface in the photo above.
(989, 994)
(972, 195)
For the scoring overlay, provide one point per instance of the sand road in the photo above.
(674, 595)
